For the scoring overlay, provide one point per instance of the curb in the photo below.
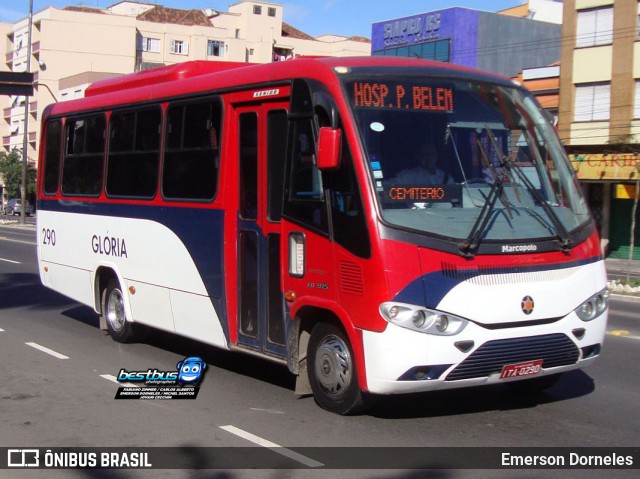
(625, 297)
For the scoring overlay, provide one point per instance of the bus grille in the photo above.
(554, 349)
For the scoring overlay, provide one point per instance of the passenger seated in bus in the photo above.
(426, 170)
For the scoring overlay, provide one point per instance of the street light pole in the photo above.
(25, 144)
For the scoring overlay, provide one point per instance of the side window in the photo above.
(347, 215)
(53, 147)
(277, 123)
(304, 199)
(134, 148)
(84, 156)
(248, 135)
(306, 181)
(191, 159)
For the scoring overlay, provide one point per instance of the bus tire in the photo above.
(534, 385)
(332, 371)
(114, 313)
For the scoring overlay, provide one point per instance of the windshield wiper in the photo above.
(480, 225)
(496, 192)
(468, 246)
(563, 235)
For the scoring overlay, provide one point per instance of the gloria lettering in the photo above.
(109, 246)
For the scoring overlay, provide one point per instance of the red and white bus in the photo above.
(285, 210)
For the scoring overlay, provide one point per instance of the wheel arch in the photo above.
(306, 318)
(102, 276)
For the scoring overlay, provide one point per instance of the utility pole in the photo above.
(25, 145)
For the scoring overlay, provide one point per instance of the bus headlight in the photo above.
(422, 320)
(594, 306)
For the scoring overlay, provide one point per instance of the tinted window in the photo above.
(134, 147)
(191, 159)
(304, 201)
(248, 165)
(52, 157)
(277, 124)
(84, 156)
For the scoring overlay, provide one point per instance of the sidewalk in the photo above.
(617, 271)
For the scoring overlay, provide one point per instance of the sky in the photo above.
(315, 17)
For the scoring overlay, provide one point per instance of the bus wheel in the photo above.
(332, 372)
(113, 311)
(534, 385)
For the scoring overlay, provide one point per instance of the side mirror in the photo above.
(329, 148)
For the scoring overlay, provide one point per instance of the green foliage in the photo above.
(11, 173)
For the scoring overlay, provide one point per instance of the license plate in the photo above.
(530, 368)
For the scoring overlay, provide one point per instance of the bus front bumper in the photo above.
(399, 360)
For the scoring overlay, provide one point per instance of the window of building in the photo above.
(595, 27)
(179, 47)
(257, 10)
(271, 12)
(636, 101)
(592, 102)
(439, 50)
(215, 48)
(148, 44)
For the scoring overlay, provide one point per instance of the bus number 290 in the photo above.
(48, 236)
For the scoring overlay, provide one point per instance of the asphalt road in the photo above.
(57, 389)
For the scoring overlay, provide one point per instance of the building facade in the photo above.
(75, 46)
(599, 120)
(503, 44)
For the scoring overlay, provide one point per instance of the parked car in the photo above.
(14, 207)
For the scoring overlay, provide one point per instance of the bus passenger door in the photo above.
(259, 299)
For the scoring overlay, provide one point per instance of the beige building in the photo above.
(599, 117)
(75, 46)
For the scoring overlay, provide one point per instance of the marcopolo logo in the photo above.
(519, 248)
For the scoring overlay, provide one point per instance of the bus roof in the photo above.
(200, 76)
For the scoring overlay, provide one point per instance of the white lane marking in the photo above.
(4, 238)
(623, 334)
(273, 446)
(1, 330)
(10, 261)
(626, 314)
(113, 379)
(47, 350)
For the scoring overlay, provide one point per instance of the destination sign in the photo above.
(405, 96)
(424, 193)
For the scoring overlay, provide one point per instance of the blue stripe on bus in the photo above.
(201, 230)
(431, 288)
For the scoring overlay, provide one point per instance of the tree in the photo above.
(11, 172)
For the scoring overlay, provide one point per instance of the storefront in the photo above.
(611, 184)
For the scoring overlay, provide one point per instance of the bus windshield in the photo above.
(468, 161)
